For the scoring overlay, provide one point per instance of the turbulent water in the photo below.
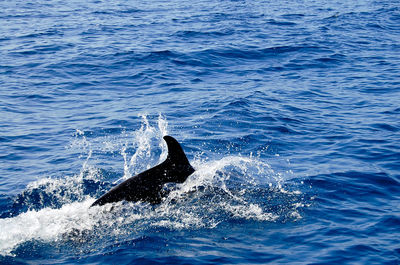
(288, 110)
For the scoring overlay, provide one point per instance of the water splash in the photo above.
(221, 190)
(46, 225)
(142, 143)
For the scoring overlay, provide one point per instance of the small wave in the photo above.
(217, 57)
(281, 23)
(203, 34)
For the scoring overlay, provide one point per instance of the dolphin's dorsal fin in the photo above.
(175, 151)
(147, 186)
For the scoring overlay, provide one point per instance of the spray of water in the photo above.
(234, 187)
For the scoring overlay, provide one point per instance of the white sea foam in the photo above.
(219, 190)
(46, 225)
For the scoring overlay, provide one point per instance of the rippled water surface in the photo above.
(288, 110)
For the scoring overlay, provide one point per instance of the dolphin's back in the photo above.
(147, 185)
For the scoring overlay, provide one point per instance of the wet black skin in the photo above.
(147, 186)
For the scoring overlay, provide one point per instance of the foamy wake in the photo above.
(219, 190)
(46, 224)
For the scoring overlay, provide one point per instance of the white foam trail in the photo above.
(190, 205)
(46, 225)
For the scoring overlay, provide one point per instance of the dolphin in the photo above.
(147, 186)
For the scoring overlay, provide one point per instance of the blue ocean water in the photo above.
(288, 110)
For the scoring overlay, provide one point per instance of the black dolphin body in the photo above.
(147, 186)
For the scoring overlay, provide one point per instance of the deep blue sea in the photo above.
(288, 110)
